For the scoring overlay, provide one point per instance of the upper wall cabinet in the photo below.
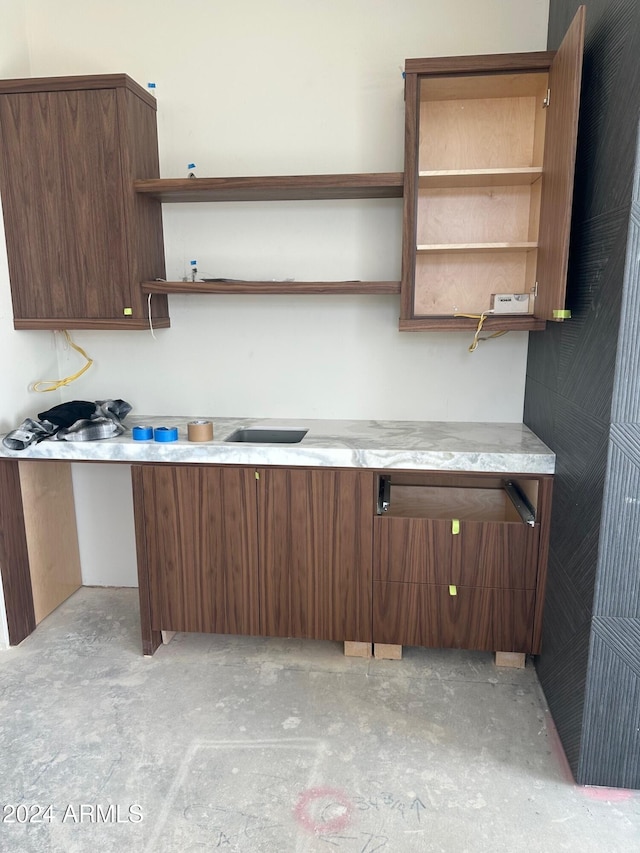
(79, 238)
(489, 161)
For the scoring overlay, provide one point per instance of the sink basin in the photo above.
(267, 435)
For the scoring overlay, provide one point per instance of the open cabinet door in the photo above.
(558, 170)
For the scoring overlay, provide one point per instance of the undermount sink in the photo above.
(267, 435)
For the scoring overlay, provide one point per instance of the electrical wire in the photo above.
(476, 338)
(153, 335)
(54, 384)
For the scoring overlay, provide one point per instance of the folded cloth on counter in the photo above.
(29, 432)
(75, 421)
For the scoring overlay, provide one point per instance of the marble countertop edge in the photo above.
(406, 445)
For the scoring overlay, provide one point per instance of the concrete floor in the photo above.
(255, 745)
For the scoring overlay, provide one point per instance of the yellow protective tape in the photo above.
(561, 314)
(455, 526)
(453, 589)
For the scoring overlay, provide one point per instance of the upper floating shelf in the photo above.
(479, 177)
(274, 188)
(460, 248)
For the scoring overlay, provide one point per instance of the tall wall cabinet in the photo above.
(79, 238)
(489, 163)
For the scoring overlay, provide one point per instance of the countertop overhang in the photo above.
(403, 445)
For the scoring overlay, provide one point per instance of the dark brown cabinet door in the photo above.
(196, 530)
(478, 618)
(561, 133)
(489, 554)
(316, 553)
(79, 239)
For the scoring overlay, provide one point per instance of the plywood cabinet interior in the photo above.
(79, 238)
(489, 162)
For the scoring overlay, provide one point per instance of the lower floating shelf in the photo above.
(451, 323)
(273, 287)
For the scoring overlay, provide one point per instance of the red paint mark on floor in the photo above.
(323, 811)
(608, 795)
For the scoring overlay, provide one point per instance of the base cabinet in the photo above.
(240, 550)
(459, 561)
(450, 560)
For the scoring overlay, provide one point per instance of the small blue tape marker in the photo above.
(142, 433)
(165, 434)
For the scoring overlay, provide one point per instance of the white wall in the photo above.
(280, 87)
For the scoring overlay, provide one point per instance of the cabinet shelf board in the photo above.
(443, 178)
(476, 247)
(273, 287)
(451, 323)
(274, 188)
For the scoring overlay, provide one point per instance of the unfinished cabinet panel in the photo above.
(79, 238)
(316, 553)
(489, 162)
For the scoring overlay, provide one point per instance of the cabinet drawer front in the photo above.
(488, 554)
(497, 554)
(484, 619)
(417, 550)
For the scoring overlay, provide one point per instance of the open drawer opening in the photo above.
(465, 498)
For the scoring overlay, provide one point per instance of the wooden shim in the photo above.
(357, 650)
(515, 660)
(387, 651)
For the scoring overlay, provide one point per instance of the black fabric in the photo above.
(67, 414)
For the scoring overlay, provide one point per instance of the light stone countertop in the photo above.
(409, 445)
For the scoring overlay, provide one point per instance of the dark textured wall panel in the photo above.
(583, 377)
(588, 343)
(627, 389)
(563, 673)
(610, 754)
(618, 584)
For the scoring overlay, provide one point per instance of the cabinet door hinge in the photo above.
(547, 99)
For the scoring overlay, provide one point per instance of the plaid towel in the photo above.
(105, 422)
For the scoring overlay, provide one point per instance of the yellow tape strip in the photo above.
(455, 526)
(561, 314)
(453, 589)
